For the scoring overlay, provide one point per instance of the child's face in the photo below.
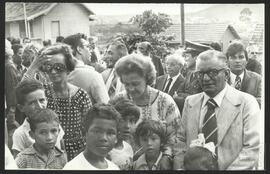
(150, 144)
(33, 101)
(45, 134)
(101, 136)
(129, 126)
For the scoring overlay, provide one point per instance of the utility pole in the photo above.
(25, 21)
(182, 11)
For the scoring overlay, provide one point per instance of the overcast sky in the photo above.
(132, 8)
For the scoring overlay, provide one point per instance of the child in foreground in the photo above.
(101, 127)
(200, 156)
(122, 153)
(151, 136)
(43, 154)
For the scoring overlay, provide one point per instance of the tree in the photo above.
(152, 23)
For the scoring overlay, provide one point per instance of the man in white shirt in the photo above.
(227, 117)
(172, 81)
(85, 76)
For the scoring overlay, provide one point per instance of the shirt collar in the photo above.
(233, 76)
(32, 151)
(175, 77)
(218, 98)
(142, 161)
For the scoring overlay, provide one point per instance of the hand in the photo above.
(40, 60)
(165, 163)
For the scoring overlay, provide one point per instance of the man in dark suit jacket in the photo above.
(240, 78)
(145, 49)
(173, 80)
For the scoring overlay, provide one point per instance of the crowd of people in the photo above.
(70, 108)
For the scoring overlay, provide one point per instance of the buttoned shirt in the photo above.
(233, 77)
(30, 158)
(22, 139)
(218, 99)
(141, 163)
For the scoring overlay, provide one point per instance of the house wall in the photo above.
(14, 29)
(7, 30)
(37, 31)
(226, 38)
(72, 17)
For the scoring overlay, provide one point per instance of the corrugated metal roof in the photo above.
(14, 11)
(202, 32)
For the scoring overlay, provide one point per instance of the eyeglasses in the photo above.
(211, 73)
(253, 53)
(58, 67)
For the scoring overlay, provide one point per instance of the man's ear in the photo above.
(227, 75)
(79, 50)
(32, 135)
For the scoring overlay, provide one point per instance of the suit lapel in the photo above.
(227, 113)
(245, 84)
(176, 84)
(195, 109)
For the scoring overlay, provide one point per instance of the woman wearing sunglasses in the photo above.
(68, 101)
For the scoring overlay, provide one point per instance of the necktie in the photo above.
(168, 85)
(112, 87)
(237, 83)
(209, 128)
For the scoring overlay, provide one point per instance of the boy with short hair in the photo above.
(122, 153)
(43, 154)
(101, 127)
(151, 136)
(30, 95)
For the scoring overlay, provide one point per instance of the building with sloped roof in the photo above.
(46, 20)
(257, 37)
(205, 33)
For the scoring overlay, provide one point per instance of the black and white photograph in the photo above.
(134, 86)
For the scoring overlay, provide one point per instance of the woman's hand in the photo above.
(165, 163)
(40, 60)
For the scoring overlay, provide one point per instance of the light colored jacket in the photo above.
(238, 130)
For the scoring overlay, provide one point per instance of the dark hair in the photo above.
(26, 39)
(74, 41)
(215, 46)
(101, 111)
(135, 63)
(148, 127)
(15, 41)
(61, 49)
(42, 115)
(125, 107)
(16, 47)
(197, 153)
(25, 87)
(47, 42)
(59, 39)
(235, 47)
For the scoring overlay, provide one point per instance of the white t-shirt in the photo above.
(122, 157)
(80, 163)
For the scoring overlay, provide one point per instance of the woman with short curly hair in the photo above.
(138, 74)
(68, 101)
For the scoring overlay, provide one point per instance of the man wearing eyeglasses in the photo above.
(226, 116)
(85, 76)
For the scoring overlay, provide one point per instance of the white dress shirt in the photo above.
(233, 77)
(218, 99)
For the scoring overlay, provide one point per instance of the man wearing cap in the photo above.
(227, 117)
(191, 84)
(145, 48)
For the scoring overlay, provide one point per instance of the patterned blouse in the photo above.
(162, 109)
(70, 112)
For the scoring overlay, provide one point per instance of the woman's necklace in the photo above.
(56, 106)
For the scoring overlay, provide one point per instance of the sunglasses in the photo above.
(211, 73)
(58, 67)
(253, 53)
